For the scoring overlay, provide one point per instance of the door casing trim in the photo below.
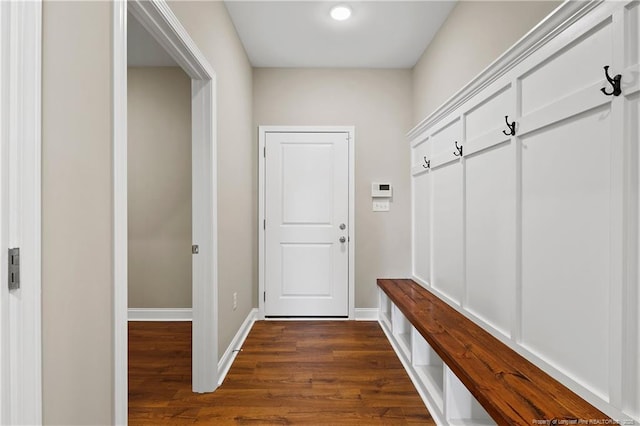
(262, 132)
(21, 168)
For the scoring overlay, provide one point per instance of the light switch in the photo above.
(380, 205)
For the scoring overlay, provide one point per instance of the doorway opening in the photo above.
(158, 181)
(163, 26)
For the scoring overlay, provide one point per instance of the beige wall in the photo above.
(77, 197)
(159, 184)
(209, 25)
(378, 103)
(474, 35)
(77, 323)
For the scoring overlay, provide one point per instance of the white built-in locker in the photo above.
(534, 235)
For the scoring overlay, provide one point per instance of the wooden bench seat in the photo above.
(510, 388)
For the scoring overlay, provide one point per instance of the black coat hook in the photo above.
(615, 82)
(459, 148)
(427, 163)
(511, 126)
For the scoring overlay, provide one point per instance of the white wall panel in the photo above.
(422, 227)
(537, 236)
(565, 246)
(489, 114)
(631, 366)
(442, 142)
(418, 152)
(632, 395)
(491, 236)
(632, 17)
(448, 251)
(559, 76)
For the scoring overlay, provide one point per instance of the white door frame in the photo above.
(162, 24)
(262, 131)
(20, 135)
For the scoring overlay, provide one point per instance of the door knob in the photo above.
(343, 239)
(343, 226)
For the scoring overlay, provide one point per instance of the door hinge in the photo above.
(195, 249)
(14, 268)
(264, 224)
(264, 152)
(264, 296)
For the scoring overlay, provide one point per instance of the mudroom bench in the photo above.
(464, 374)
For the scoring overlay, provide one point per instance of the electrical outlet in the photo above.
(235, 301)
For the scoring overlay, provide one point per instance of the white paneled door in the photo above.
(307, 224)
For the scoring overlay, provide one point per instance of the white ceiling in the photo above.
(301, 34)
(380, 34)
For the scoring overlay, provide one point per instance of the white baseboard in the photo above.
(160, 314)
(366, 314)
(236, 343)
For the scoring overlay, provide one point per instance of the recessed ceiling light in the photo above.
(340, 12)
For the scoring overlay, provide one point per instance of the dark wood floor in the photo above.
(312, 372)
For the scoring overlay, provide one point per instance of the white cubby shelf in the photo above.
(449, 402)
(385, 309)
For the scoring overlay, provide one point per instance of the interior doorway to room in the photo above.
(307, 213)
(159, 21)
(159, 181)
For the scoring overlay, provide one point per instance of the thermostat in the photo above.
(380, 190)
